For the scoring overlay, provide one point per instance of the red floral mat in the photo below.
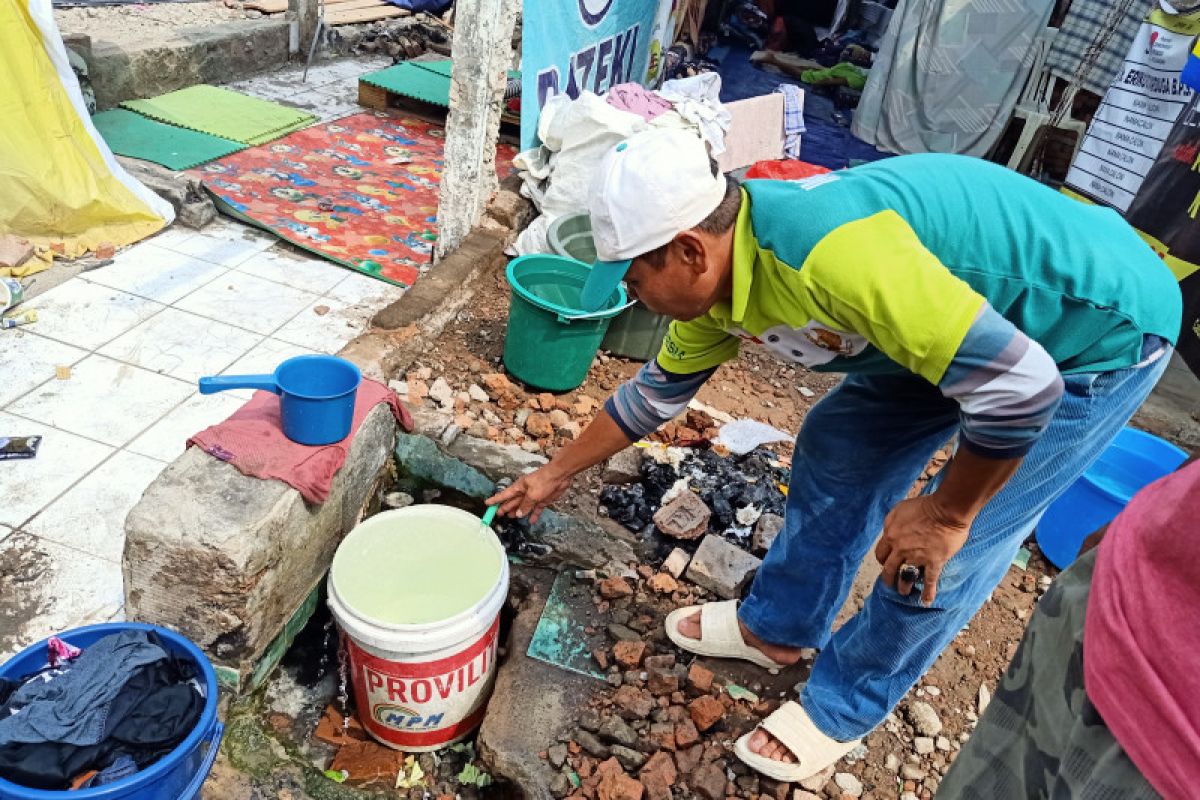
(361, 191)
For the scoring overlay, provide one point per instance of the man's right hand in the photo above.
(532, 493)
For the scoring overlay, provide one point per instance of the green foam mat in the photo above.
(223, 113)
(443, 67)
(130, 134)
(411, 80)
(427, 81)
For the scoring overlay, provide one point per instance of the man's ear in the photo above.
(691, 250)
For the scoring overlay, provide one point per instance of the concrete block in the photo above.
(509, 208)
(624, 467)
(676, 562)
(440, 295)
(228, 560)
(721, 567)
(765, 531)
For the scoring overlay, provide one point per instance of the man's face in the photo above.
(687, 284)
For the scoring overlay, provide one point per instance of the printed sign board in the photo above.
(1137, 113)
(569, 46)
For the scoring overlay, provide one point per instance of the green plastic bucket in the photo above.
(636, 332)
(550, 343)
(571, 235)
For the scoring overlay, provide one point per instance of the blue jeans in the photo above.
(858, 453)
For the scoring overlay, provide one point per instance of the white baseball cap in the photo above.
(650, 188)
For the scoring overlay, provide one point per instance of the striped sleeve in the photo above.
(1007, 387)
(652, 398)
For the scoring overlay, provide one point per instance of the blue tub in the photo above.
(178, 775)
(1134, 460)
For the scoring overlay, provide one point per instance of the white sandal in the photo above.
(720, 635)
(812, 749)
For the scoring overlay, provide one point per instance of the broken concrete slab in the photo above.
(624, 467)
(722, 568)
(227, 559)
(676, 562)
(533, 702)
(765, 531)
(212, 54)
(193, 207)
(555, 539)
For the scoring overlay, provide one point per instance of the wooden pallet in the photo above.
(337, 12)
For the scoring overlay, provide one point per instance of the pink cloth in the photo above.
(638, 100)
(1141, 638)
(252, 440)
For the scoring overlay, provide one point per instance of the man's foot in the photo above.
(768, 746)
(690, 627)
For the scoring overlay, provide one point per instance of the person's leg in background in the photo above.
(858, 453)
(1041, 737)
(876, 657)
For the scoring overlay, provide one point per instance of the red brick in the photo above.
(367, 762)
(686, 735)
(709, 782)
(629, 654)
(662, 681)
(700, 678)
(619, 787)
(663, 583)
(706, 712)
(688, 760)
(615, 588)
(634, 703)
(658, 775)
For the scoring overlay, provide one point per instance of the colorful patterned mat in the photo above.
(361, 191)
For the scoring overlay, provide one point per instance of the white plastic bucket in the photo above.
(417, 594)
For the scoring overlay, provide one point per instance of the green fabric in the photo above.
(855, 77)
(223, 113)
(427, 81)
(897, 255)
(130, 134)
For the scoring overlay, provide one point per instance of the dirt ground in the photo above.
(130, 24)
(756, 386)
(625, 744)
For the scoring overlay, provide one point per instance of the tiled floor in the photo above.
(134, 337)
(130, 341)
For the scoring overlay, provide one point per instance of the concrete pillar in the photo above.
(482, 54)
(304, 14)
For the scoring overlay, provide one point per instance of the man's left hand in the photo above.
(921, 533)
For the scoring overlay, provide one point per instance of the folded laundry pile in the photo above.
(92, 717)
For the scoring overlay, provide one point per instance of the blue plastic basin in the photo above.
(177, 775)
(1134, 460)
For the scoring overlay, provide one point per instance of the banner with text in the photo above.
(1141, 156)
(1137, 113)
(1165, 211)
(569, 46)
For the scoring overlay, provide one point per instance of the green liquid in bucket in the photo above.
(416, 569)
